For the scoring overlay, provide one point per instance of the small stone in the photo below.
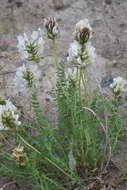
(10, 1)
(106, 81)
(115, 63)
(58, 4)
(19, 4)
(47, 100)
(61, 4)
(122, 25)
(109, 2)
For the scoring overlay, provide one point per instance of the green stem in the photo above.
(50, 161)
(51, 181)
(54, 52)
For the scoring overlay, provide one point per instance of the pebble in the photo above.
(108, 2)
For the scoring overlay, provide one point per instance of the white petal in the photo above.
(34, 35)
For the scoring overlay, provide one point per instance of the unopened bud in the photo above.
(52, 28)
(28, 76)
(82, 36)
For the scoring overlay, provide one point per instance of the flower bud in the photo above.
(118, 86)
(81, 56)
(28, 76)
(82, 36)
(9, 120)
(83, 31)
(52, 28)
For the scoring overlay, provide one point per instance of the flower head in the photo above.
(27, 75)
(81, 52)
(82, 36)
(20, 156)
(82, 31)
(83, 24)
(52, 27)
(31, 47)
(119, 85)
(81, 55)
(8, 117)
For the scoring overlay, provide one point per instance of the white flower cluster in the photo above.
(80, 53)
(119, 85)
(8, 117)
(31, 48)
(83, 24)
(27, 75)
(74, 52)
(77, 56)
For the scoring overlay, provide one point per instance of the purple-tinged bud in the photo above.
(82, 36)
(52, 27)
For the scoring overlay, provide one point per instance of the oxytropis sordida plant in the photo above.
(88, 126)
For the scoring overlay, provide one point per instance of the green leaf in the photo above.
(72, 161)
